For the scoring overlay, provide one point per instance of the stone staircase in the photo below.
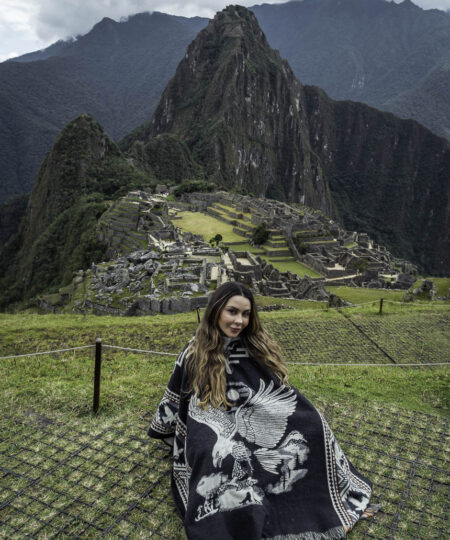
(241, 223)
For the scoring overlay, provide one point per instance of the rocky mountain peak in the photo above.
(251, 125)
(64, 173)
(239, 109)
(104, 24)
(235, 22)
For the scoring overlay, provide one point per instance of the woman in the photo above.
(252, 458)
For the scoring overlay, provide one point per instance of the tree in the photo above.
(216, 239)
(260, 235)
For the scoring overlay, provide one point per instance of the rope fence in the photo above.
(139, 350)
(379, 302)
(46, 352)
(328, 339)
(166, 353)
(99, 345)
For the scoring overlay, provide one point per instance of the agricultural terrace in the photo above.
(208, 226)
(66, 473)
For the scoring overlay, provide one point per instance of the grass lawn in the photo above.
(262, 301)
(242, 246)
(208, 226)
(442, 285)
(360, 295)
(293, 266)
(63, 383)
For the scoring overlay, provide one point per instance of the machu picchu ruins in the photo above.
(154, 266)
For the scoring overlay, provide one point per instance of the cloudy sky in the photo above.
(29, 25)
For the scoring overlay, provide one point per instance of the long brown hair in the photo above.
(205, 359)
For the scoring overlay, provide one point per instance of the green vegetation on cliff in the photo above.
(390, 55)
(57, 235)
(167, 158)
(116, 72)
(390, 181)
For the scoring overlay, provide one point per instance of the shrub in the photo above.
(359, 264)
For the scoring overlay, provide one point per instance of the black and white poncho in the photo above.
(269, 467)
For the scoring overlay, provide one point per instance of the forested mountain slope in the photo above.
(116, 72)
(381, 53)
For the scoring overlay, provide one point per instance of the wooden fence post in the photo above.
(380, 312)
(97, 372)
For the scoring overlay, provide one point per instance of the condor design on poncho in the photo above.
(268, 467)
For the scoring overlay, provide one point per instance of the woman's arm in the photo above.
(165, 419)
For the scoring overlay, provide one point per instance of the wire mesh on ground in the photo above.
(379, 340)
(67, 480)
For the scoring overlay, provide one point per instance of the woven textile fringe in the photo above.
(332, 534)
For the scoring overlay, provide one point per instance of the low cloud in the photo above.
(27, 25)
(443, 5)
(55, 19)
(61, 18)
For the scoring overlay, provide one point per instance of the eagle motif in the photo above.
(261, 419)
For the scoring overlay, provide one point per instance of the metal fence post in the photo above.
(97, 372)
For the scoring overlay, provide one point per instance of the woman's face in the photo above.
(235, 316)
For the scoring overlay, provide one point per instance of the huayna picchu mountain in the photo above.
(239, 109)
(250, 124)
(80, 175)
